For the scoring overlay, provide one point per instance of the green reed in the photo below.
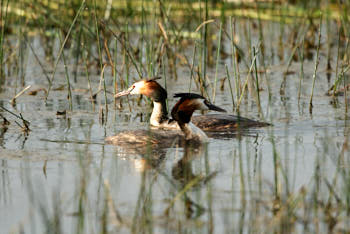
(38, 60)
(3, 11)
(229, 83)
(245, 85)
(102, 65)
(77, 51)
(282, 25)
(217, 62)
(164, 76)
(143, 29)
(235, 61)
(301, 76)
(204, 54)
(285, 73)
(192, 66)
(337, 63)
(280, 211)
(316, 64)
(345, 87)
(87, 74)
(69, 89)
(256, 76)
(115, 62)
(22, 52)
(126, 53)
(328, 29)
(81, 8)
(344, 67)
(261, 40)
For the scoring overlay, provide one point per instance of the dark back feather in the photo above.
(188, 95)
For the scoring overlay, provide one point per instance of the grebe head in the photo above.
(189, 102)
(147, 87)
(183, 110)
(153, 90)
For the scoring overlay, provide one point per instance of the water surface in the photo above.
(62, 176)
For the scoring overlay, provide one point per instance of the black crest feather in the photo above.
(153, 78)
(188, 95)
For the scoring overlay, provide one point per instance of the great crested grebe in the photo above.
(159, 117)
(181, 113)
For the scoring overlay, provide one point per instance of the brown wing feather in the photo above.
(220, 122)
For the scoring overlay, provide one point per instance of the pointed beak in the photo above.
(124, 92)
(213, 107)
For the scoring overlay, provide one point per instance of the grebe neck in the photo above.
(192, 132)
(159, 113)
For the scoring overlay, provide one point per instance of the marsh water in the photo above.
(62, 176)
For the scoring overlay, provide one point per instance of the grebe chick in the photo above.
(182, 113)
(159, 117)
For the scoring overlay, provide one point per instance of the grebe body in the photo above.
(181, 113)
(159, 117)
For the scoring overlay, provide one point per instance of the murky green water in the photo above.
(61, 175)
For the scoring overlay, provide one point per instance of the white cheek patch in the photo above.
(134, 91)
(137, 88)
(202, 106)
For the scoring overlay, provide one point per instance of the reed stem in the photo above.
(3, 21)
(301, 55)
(316, 64)
(337, 64)
(246, 81)
(217, 62)
(192, 65)
(256, 76)
(88, 80)
(69, 89)
(229, 83)
(81, 8)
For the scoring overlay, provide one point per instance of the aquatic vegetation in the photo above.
(282, 62)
